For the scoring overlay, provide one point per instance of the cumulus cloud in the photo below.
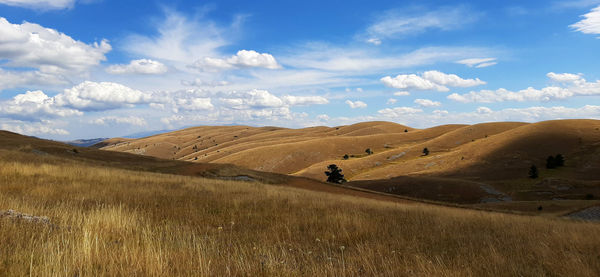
(100, 96)
(243, 59)
(394, 24)
(142, 66)
(427, 103)
(255, 98)
(40, 4)
(304, 100)
(30, 45)
(356, 104)
(574, 85)
(565, 77)
(31, 129)
(129, 120)
(429, 80)
(484, 110)
(33, 106)
(590, 24)
(391, 101)
(398, 112)
(32, 54)
(478, 62)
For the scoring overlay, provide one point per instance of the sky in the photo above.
(72, 69)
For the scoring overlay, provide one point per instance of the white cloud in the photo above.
(34, 55)
(30, 45)
(356, 104)
(590, 24)
(374, 41)
(40, 4)
(398, 112)
(451, 80)
(391, 101)
(304, 100)
(349, 60)
(33, 106)
(323, 117)
(14, 79)
(401, 93)
(484, 110)
(129, 120)
(31, 129)
(575, 85)
(100, 96)
(243, 59)
(194, 104)
(429, 80)
(565, 77)
(478, 62)
(179, 40)
(411, 82)
(202, 83)
(427, 103)
(142, 66)
(253, 99)
(394, 24)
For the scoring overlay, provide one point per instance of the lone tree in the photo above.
(346, 157)
(533, 172)
(369, 151)
(334, 174)
(550, 162)
(425, 151)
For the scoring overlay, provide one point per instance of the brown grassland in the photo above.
(108, 221)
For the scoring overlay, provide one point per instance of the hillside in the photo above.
(455, 150)
(73, 211)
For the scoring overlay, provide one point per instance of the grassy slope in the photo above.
(117, 222)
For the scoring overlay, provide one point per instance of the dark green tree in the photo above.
(369, 151)
(533, 172)
(334, 174)
(425, 151)
(346, 157)
(559, 160)
(550, 162)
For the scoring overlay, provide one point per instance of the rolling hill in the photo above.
(455, 150)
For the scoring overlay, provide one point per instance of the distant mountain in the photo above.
(85, 142)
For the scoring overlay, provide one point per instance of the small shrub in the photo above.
(369, 151)
(346, 157)
(425, 151)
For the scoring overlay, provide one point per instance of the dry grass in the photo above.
(114, 222)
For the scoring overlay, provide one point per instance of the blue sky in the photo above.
(101, 68)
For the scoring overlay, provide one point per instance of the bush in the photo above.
(425, 151)
(334, 174)
(369, 151)
(346, 157)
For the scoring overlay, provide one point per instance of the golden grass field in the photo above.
(112, 222)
